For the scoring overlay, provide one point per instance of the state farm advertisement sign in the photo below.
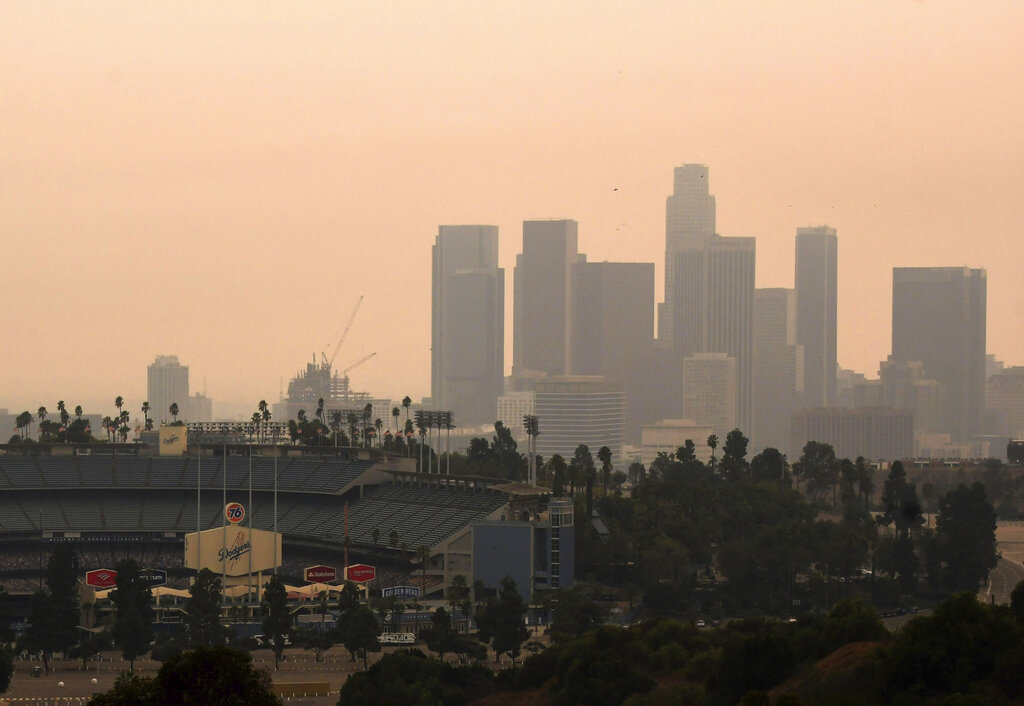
(361, 573)
(321, 574)
(101, 578)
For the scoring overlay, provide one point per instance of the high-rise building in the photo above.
(778, 368)
(541, 328)
(689, 211)
(712, 306)
(579, 409)
(613, 331)
(1004, 398)
(512, 407)
(939, 319)
(198, 408)
(709, 391)
(468, 323)
(816, 268)
(167, 384)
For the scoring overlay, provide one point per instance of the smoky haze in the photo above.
(223, 183)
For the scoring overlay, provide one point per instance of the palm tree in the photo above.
(22, 423)
(148, 423)
(264, 410)
(713, 444)
(255, 426)
(64, 418)
(78, 411)
(173, 409)
(407, 402)
(320, 411)
(42, 418)
(353, 424)
(604, 455)
(378, 425)
(123, 417)
(395, 414)
(108, 426)
(119, 403)
(367, 415)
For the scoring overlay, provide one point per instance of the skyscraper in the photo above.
(541, 329)
(166, 384)
(579, 409)
(939, 319)
(816, 268)
(689, 211)
(778, 368)
(613, 331)
(468, 323)
(709, 391)
(712, 303)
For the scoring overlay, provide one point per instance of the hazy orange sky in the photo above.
(222, 181)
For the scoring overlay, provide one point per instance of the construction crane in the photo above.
(356, 364)
(352, 317)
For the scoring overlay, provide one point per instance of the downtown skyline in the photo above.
(228, 202)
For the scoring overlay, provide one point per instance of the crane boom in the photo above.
(358, 363)
(344, 333)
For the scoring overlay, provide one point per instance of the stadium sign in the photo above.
(173, 439)
(361, 573)
(232, 550)
(154, 577)
(101, 578)
(234, 512)
(401, 592)
(320, 574)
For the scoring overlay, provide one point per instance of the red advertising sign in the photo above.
(361, 573)
(101, 578)
(321, 574)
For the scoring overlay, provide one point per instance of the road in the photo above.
(1001, 581)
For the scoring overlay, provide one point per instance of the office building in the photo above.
(689, 212)
(778, 368)
(816, 272)
(468, 323)
(198, 408)
(543, 301)
(512, 407)
(613, 331)
(709, 391)
(712, 309)
(668, 435)
(166, 384)
(579, 409)
(939, 319)
(876, 433)
(1004, 398)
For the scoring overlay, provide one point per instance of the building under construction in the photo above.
(320, 381)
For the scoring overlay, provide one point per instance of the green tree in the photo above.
(133, 611)
(173, 409)
(901, 508)
(574, 613)
(202, 611)
(440, 636)
(819, 470)
(358, 631)
(966, 530)
(205, 675)
(500, 621)
(53, 615)
(277, 620)
(557, 470)
(770, 464)
(734, 455)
